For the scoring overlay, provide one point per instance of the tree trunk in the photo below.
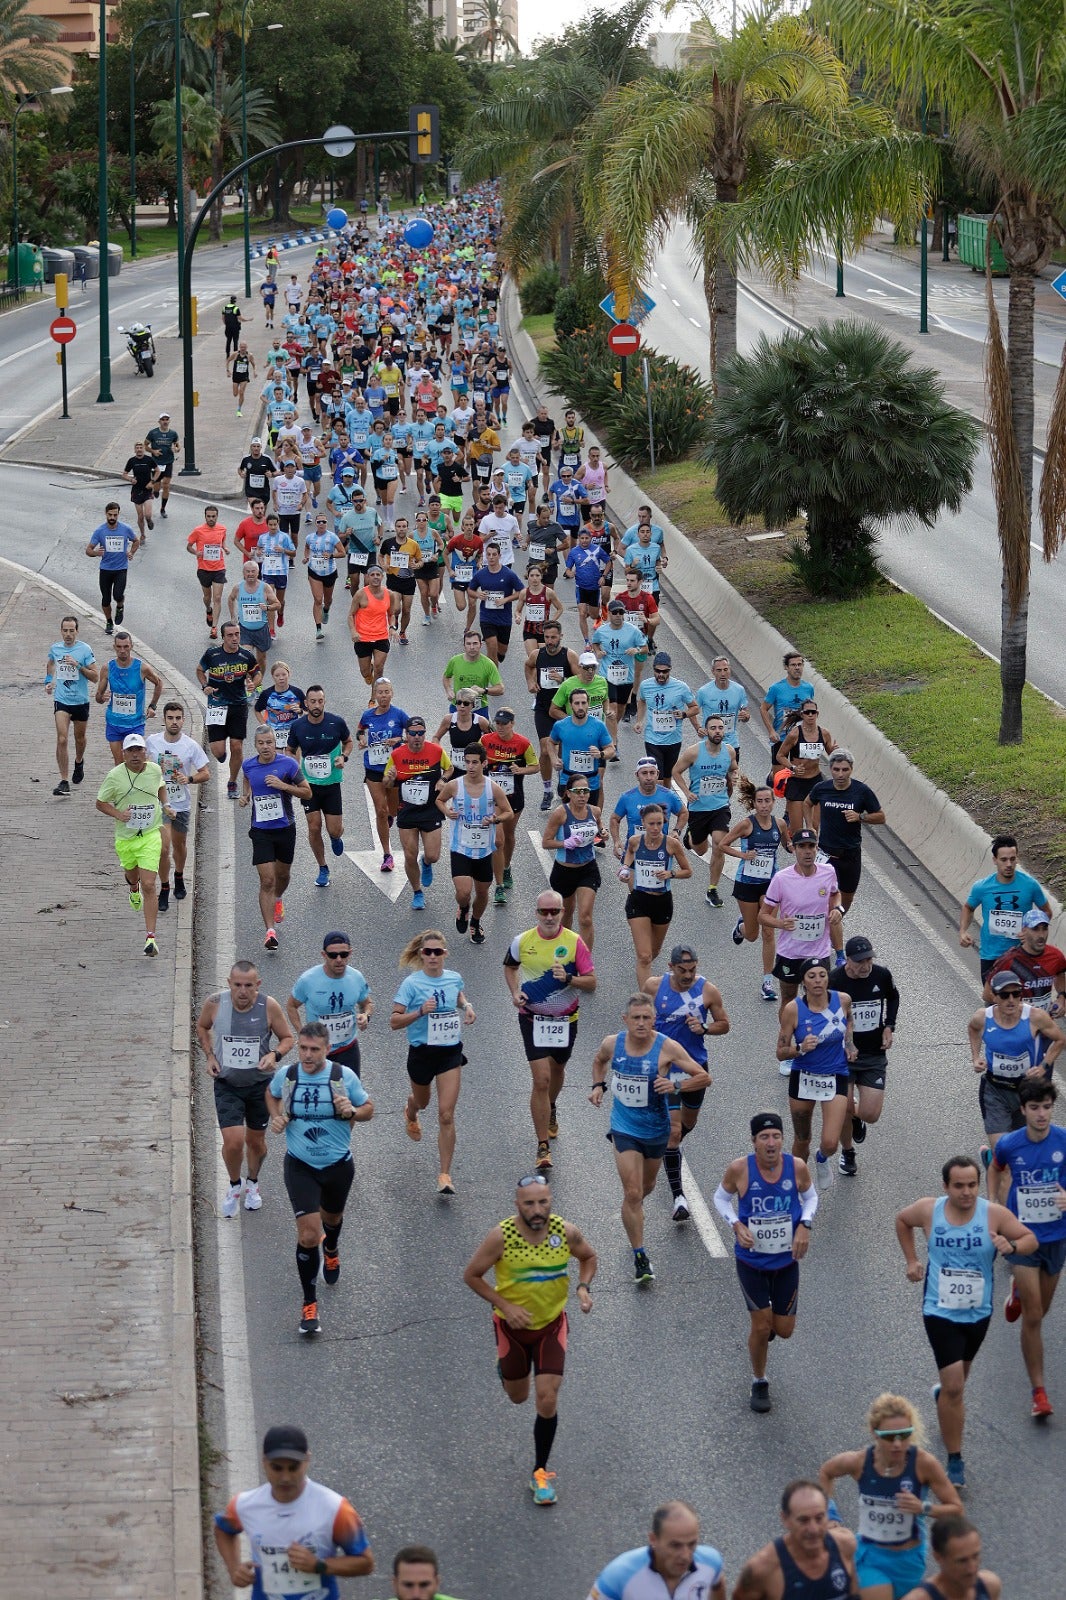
(1014, 627)
(720, 289)
(218, 166)
(566, 234)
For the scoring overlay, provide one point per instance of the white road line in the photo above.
(392, 885)
(546, 859)
(702, 1216)
(676, 302)
(693, 321)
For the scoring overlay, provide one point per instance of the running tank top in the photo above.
(472, 834)
(672, 1011)
(458, 739)
(636, 1109)
(593, 482)
(830, 1028)
(809, 749)
(551, 670)
(646, 862)
(833, 1583)
(126, 707)
(535, 1275)
(880, 1519)
(707, 778)
(770, 1212)
(765, 841)
(980, 1589)
(585, 832)
(958, 1272)
(1010, 1052)
(240, 1039)
(570, 447)
(251, 606)
(372, 618)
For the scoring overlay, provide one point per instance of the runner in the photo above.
(688, 1009)
(587, 563)
(530, 1253)
(121, 686)
(227, 673)
(271, 780)
(360, 526)
(571, 830)
(663, 704)
(473, 805)
(253, 605)
(617, 643)
(545, 673)
(874, 1009)
(1039, 967)
(787, 694)
(69, 669)
(591, 680)
(401, 555)
(838, 806)
(891, 1473)
(183, 764)
(256, 473)
(497, 588)
(706, 776)
(807, 1562)
(1029, 1176)
(653, 859)
(417, 768)
(673, 1559)
(324, 743)
(115, 543)
(536, 606)
(722, 696)
(464, 555)
(368, 624)
(141, 471)
(1003, 898)
(643, 611)
(461, 727)
(337, 995)
(134, 795)
(250, 530)
(631, 803)
(321, 550)
(241, 367)
(583, 745)
(754, 841)
(235, 1028)
(315, 1103)
(163, 445)
(510, 757)
(472, 670)
(207, 542)
(279, 706)
(431, 1005)
(380, 730)
(639, 1059)
(295, 1528)
(965, 1235)
(274, 552)
(816, 1034)
(1010, 1043)
(802, 902)
(959, 1576)
(546, 541)
(547, 969)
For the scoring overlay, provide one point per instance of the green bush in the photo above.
(538, 290)
(578, 304)
(680, 409)
(582, 368)
(568, 315)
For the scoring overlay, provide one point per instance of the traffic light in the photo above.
(425, 135)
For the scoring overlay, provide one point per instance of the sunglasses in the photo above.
(551, 911)
(534, 1180)
(895, 1433)
(338, 955)
(432, 949)
(1009, 994)
(580, 791)
(810, 711)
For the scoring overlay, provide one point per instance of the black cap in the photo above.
(766, 1119)
(285, 1444)
(1004, 980)
(682, 952)
(616, 605)
(859, 949)
(805, 836)
(662, 660)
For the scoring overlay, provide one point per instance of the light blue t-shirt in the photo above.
(632, 536)
(115, 543)
(782, 698)
(1002, 907)
(617, 667)
(662, 700)
(416, 989)
(629, 805)
(315, 1134)
(724, 703)
(575, 740)
(71, 686)
(333, 1001)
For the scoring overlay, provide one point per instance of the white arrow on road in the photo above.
(391, 884)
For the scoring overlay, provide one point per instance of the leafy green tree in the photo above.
(837, 424)
(493, 37)
(30, 58)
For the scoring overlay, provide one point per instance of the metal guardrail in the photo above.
(10, 296)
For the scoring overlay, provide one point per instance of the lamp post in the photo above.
(105, 396)
(29, 104)
(272, 27)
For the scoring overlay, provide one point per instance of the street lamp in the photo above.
(30, 104)
(271, 27)
(157, 22)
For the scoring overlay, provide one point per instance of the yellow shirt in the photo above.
(535, 1276)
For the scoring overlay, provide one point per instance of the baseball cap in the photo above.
(164, 416)
(682, 952)
(1036, 919)
(859, 949)
(662, 660)
(336, 937)
(133, 741)
(616, 605)
(257, 440)
(587, 659)
(1004, 980)
(805, 836)
(347, 472)
(285, 1444)
(505, 714)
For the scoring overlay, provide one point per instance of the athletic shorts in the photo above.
(427, 572)
(141, 497)
(453, 503)
(848, 868)
(325, 797)
(665, 757)
(618, 693)
(868, 1072)
(273, 844)
(886, 1564)
(1050, 1257)
(179, 822)
(348, 1055)
(522, 1350)
(588, 597)
(650, 1149)
(365, 648)
(234, 727)
(318, 1188)
(427, 1061)
(500, 631)
(398, 584)
(115, 735)
(542, 721)
(955, 1341)
(479, 869)
(1001, 1110)
(142, 851)
(748, 893)
(843, 1083)
(420, 819)
(78, 713)
(289, 522)
(326, 579)
(208, 577)
(656, 906)
(764, 1290)
(689, 1100)
(799, 788)
(241, 1105)
(518, 798)
(701, 824)
(113, 586)
(256, 638)
(538, 1052)
(568, 880)
(789, 969)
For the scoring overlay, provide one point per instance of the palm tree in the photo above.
(199, 125)
(998, 69)
(224, 19)
(30, 59)
(494, 34)
(693, 145)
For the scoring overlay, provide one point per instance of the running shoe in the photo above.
(411, 1126)
(737, 935)
(759, 1400)
(337, 846)
(499, 898)
(271, 942)
(858, 1130)
(309, 1323)
(232, 1203)
(445, 1184)
(404, 639)
(546, 800)
(213, 633)
(322, 878)
(985, 1153)
(847, 1163)
(426, 874)
(1012, 1306)
(253, 1200)
(279, 911)
(508, 879)
(477, 932)
(681, 1211)
(713, 898)
(62, 789)
(418, 901)
(553, 1122)
(768, 991)
(325, 614)
(150, 946)
(387, 864)
(462, 921)
(543, 1488)
(956, 1470)
(331, 1266)
(120, 612)
(162, 511)
(164, 897)
(149, 522)
(231, 790)
(320, 637)
(79, 771)
(544, 1156)
(109, 626)
(823, 1173)
(1041, 1406)
(136, 900)
(425, 622)
(642, 1268)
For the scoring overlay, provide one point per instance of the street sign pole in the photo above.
(625, 373)
(63, 374)
(62, 329)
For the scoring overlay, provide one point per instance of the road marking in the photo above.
(677, 303)
(693, 321)
(545, 857)
(702, 1216)
(392, 884)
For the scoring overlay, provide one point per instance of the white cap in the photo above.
(134, 741)
(587, 659)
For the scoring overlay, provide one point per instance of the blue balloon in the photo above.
(418, 233)
(337, 218)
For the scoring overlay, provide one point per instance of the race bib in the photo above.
(728, 720)
(124, 705)
(212, 552)
(463, 572)
(342, 1028)
(444, 1028)
(809, 752)
(710, 786)
(883, 1522)
(66, 672)
(268, 808)
(1006, 924)
(239, 1052)
(865, 1015)
(493, 602)
(318, 768)
(358, 558)
(628, 1090)
(810, 928)
(175, 792)
(535, 611)
(616, 672)
(1003, 1066)
(474, 837)
(252, 615)
(415, 791)
(280, 731)
(770, 1236)
(549, 1032)
(458, 759)
(761, 868)
(215, 716)
(274, 566)
(400, 560)
(647, 585)
(584, 833)
(387, 470)
(550, 677)
(505, 780)
(537, 551)
(644, 875)
(141, 816)
(1038, 1205)
(321, 565)
(959, 1289)
(816, 1086)
(114, 543)
(377, 754)
(280, 1578)
(581, 761)
(663, 722)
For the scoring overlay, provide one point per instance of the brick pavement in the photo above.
(98, 1449)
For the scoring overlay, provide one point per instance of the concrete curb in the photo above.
(185, 1461)
(943, 837)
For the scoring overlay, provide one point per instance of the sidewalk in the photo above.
(99, 1451)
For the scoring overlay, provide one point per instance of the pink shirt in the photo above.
(808, 900)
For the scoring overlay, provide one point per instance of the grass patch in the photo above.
(541, 330)
(685, 490)
(158, 241)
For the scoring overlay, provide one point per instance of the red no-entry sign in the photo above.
(63, 329)
(623, 339)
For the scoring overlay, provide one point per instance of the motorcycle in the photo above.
(141, 346)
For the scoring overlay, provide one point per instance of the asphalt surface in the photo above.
(400, 1395)
(954, 566)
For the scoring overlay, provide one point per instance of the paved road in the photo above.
(926, 561)
(400, 1393)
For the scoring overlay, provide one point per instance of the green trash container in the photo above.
(973, 234)
(30, 266)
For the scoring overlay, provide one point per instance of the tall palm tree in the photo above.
(998, 68)
(493, 35)
(223, 20)
(30, 58)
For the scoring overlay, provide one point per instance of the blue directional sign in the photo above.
(1058, 284)
(640, 305)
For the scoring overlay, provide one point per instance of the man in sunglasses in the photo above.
(337, 995)
(416, 768)
(1011, 1043)
(531, 1253)
(802, 904)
